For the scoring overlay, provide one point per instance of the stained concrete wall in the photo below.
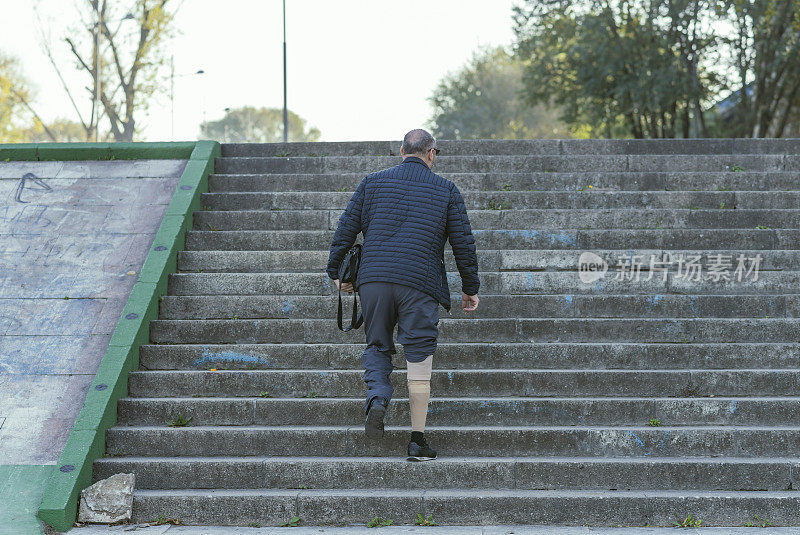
(73, 236)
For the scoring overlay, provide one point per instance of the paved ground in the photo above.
(79, 230)
(439, 530)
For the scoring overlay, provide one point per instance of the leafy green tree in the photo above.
(628, 68)
(59, 130)
(483, 101)
(19, 122)
(765, 66)
(122, 62)
(257, 125)
(657, 68)
(14, 96)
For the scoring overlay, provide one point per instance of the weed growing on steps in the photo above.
(253, 525)
(180, 421)
(688, 522)
(265, 395)
(498, 204)
(737, 168)
(654, 422)
(506, 187)
(759, 523)
(161, 520)
(291, 523)
(211, 228)
(282, 155)
(311, 394)
(762, 227)
(422, 521)
(379, 522)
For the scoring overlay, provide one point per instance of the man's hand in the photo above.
(469, 302)
(345, 287)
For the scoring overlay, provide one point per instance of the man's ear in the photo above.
(401, 151)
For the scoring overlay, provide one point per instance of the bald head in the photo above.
(417, 141)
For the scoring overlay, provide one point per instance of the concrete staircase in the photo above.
(541, 402)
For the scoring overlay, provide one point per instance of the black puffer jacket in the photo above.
(406, 213)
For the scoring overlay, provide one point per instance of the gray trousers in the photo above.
(416, 314)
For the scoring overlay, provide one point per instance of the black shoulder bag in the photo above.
(348, 271)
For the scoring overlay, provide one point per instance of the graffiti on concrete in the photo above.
(73, 237)
(21, 185)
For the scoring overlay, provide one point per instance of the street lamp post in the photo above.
(172, 77)
(285, 111)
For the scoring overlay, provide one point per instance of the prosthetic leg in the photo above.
(419, 392)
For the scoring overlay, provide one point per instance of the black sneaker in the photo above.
(419, 450)
(373, 424)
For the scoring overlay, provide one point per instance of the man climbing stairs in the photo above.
(653, 377)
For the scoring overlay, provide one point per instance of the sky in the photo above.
(357, 69)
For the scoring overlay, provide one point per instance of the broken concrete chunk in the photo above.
(108, 501)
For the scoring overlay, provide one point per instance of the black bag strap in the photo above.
(357, 318)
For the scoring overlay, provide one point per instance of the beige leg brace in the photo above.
(419, 391)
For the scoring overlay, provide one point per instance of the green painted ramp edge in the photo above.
(86, 441)
(96, 151)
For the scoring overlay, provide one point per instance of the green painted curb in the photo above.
(86, 441)
(97, 151)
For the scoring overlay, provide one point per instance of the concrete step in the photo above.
(514, 163)
(532, 180)
(469, 355)
(564, 473)
(525, 147)
(488, 259)
(476, 411)
(557, 220)
(509, 200)
(504, 282)
(180, 307)
(489, 330)
(465, 506)
(471, 383)
(482, 441)
(575, 239)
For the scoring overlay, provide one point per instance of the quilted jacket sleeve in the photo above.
(347, 231)
(459, 233)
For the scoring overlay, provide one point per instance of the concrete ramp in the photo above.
(73, 236)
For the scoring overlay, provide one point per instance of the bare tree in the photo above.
(123, 68)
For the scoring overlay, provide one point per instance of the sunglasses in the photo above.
(437, 150)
